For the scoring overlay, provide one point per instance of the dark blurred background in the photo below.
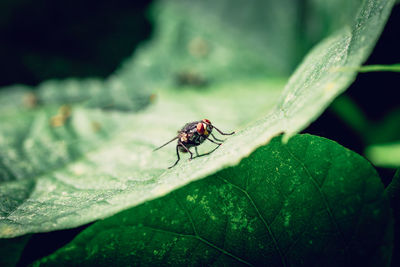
(45, 39)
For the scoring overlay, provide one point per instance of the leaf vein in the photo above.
(261, 217)
(200, 239)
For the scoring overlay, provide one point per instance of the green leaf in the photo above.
(393, 192)
(65, 166)
(384, 155)
(319, 79)
(307, 202)
(98, 162)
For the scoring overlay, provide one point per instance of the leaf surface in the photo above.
(61, 167)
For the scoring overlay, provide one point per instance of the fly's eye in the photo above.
(207, 121)
(200, 128)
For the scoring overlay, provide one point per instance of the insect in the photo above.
(192, 135)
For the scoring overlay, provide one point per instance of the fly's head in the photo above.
(204, 127)
(209, 126)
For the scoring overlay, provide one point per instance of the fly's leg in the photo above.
(213, 141)
(208, 153)
(216, 139)
(177, 153)
(222, 132)
(187, 150)
(197, 153)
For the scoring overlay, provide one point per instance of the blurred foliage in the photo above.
(384, 155)
(371, 132)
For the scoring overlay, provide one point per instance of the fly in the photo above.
(194, 134)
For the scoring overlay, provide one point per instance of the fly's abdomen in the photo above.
(182, 149)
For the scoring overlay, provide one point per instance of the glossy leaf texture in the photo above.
(66, 161)
(307, 202)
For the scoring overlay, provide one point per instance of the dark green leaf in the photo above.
(309, 202)
(393, 192)
(11, 250)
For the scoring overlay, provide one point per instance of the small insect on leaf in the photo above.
(194, 134)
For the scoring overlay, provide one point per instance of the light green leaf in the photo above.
(99, 162)
(319, 78)
(309, 202)
(384, 155)
(63, 167)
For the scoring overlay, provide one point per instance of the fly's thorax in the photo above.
(187, 137)
(191, 126)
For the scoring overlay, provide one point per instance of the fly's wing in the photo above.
(186, 129)
(189, 126)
